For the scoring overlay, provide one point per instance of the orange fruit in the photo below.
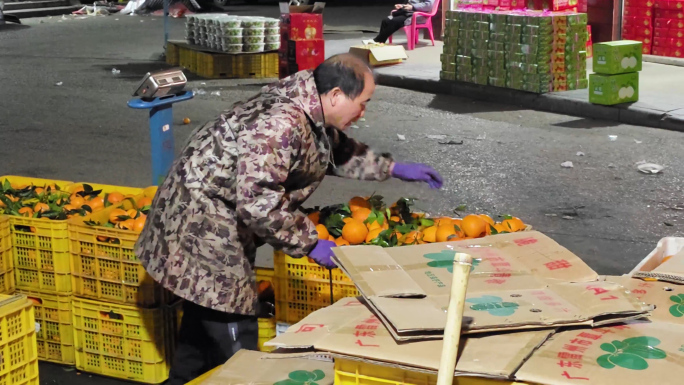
(42, 207)
(354, 232)
(133, 213)
(139, 223)
(373, 234)
(315, 217)
(144, 201)
(361, 214)
(115, 214)
(358, 202)
(341, 242)
(375, 225)
(512, 225)
(76, 200)
(411, 238)
(347, 220)
(487, 219)
(186, 120)
(126, 225)
(473, 226)
(68, 207)
(430, 234)
(96, 203)
(331, 238)
(26, 212)
(39, 190)
(443, 221)
(115, 197)
(446, 233)
(500, 228)
(395, 218)
(322, 232)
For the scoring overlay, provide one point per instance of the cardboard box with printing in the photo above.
(519, 281)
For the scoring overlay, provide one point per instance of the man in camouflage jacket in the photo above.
(239, 182)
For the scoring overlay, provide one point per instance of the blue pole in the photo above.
(161, 131)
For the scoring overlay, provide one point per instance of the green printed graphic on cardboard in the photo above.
(482, 80)
(496, 56)
(578, 19)
(516, 19)
(480, 45)
(464, 60)
(496, 45)
(302, 377)
(514, 29)
(631, 353)
(499, 18)
(500, 37)
(493, 305)
(481, 27)
(617, 57)
(497, 72)
(445, 259)
(677, 310)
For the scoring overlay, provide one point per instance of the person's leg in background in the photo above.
(390, 26)
(207, 339)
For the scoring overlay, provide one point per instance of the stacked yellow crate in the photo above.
(17, 341)
(6, 263)
(123, 326)
(267, 325)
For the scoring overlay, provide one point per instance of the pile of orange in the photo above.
(366, 220)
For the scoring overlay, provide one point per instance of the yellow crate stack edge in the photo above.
(7, 284)
(18, 341)
(267, 326)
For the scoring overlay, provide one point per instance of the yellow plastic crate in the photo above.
(41, 255)
(302, 287)
(19, 363)
(172, 54)
(247, 65)
(104, 264)
(120, 341)
(187, 58)
(6, 261)
(267, 332)
(55, 337)
(349, 372)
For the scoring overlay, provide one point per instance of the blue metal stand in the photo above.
(161, 135)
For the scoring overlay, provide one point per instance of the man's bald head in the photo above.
(345, 71)
(345, 84)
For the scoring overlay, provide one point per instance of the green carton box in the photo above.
(613, 89)
(617, 57)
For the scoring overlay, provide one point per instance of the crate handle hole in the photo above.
(111, 315)
(36, 301)
(24, 229)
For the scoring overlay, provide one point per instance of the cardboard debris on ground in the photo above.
(519, 280)
(665, 263)
(350, 330)
(251, 367)
(647, 351)
(380, 54)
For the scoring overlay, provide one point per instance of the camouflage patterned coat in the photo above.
(240, 181)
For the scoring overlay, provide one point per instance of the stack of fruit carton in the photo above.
(668, 34)
(301, 40)
(617, 65)
(530, 51)
(637, 22)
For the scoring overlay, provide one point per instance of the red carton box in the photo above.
(661, 32)
(669, 4)
(669, 23)
(646, 49)
(661, 51)
(638, 12)
(676, 33)
(636, 30)
(301, 22)
(677, 43)
(642, 21)
(306, 53)
(662, 42)
(676, 52)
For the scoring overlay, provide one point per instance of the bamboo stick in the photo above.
(452, 329)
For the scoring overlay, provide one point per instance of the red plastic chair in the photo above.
(411, 31)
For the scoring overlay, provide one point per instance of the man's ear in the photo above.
(334, 96)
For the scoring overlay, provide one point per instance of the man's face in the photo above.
(346, 111)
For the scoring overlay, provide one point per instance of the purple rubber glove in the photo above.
(322, 253)
(417, 172)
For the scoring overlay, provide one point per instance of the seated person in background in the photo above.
(402, 16)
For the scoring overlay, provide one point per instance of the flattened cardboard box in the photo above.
(667, 298)
(349, 329)
(253, 368)
(665, 263)
(518, 281)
